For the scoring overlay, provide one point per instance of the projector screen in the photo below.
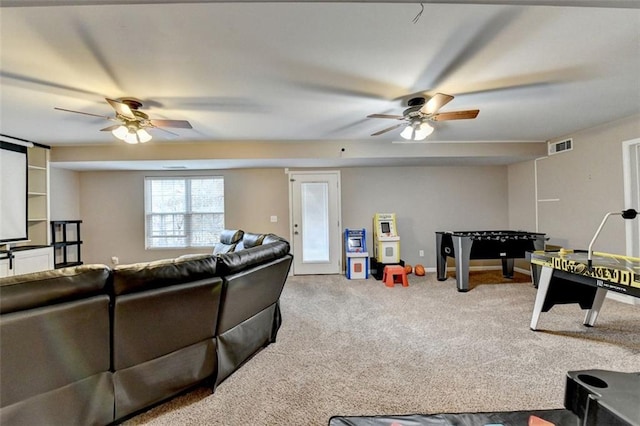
(13, 192)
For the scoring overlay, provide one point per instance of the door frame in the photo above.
(630, 150)
(338, 231)
(631, 226)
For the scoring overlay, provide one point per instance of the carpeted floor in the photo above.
(360, 348)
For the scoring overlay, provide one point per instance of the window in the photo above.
(183, 212)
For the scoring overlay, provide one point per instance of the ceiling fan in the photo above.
(132, 123)
(416, 118)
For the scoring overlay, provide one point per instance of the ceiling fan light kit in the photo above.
(133, 122)
(416, 118)
(131, 134)
(417, 131)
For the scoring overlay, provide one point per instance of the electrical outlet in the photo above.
(115, 260)
(421, 253)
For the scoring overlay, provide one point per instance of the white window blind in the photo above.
(183, 212)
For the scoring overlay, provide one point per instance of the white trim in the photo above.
(627, 150)
(19, 142)
(336, 173)
(628, 196)
(290, 172)
(623, 298)
(535, 191)
(482, 268)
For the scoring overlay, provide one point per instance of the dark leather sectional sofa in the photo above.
(94, 345)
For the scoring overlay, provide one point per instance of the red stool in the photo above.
(395, 274)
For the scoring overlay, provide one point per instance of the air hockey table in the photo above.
(565, 277)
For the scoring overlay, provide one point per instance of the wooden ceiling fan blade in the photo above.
(110, 128)
(456, 115)
(166, 131)
(436, 102)
(394, 117)
(85, 113)
(388, 129)
(121, 108)
(182, 124)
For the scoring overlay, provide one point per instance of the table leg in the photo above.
(441, 260)
(592, 314)
(462, 248)
(507, 267)
(543, 286)
(535, 274)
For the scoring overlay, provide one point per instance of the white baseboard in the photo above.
(623, 298)
(610, 294)
(483, 268)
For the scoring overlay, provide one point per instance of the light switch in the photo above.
(274, 219)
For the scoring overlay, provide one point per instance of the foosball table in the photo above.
(467, 245)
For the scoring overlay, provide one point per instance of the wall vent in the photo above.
(560, 146)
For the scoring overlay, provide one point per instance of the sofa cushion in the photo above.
(53, 346)
(153, 381)
(45, 288)
(251, 290)
(230, 263)
(250, 240)
(229, 238)
(159, 321)
(162, 273)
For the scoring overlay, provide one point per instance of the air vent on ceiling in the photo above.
(560, 146)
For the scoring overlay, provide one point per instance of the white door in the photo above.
(315, 222)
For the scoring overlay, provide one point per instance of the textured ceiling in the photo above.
(313, 71)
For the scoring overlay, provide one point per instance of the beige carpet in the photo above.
(360, 348)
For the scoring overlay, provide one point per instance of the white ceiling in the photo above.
(313, 71)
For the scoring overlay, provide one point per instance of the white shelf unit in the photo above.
(35, 254)
(38, 196)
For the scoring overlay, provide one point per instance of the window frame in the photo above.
(188, 233)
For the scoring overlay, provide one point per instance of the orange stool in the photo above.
(395, 274)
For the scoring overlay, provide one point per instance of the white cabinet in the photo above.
(4, 268)
(32, 260)
(27, 261)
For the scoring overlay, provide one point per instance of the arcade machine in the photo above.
(355, 247)
(386, 242)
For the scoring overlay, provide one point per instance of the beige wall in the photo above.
(588, 183)
(522, 201)
(522, 197)
(64, 190)
(425, 200)
(112, 210)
